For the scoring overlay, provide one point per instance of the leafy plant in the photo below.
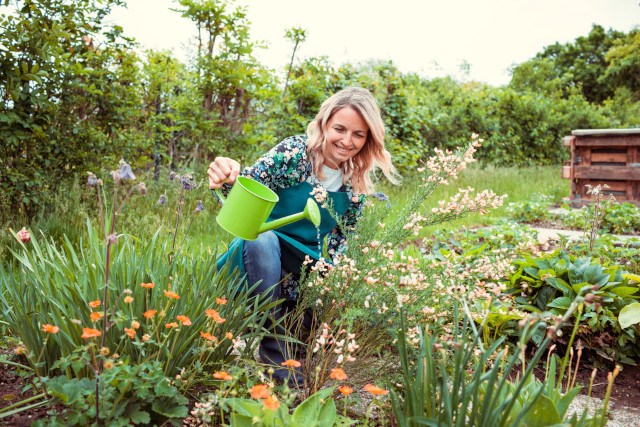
(617, 218)
(318, 410)
(130, 394)
(551, 282)
(458, 382)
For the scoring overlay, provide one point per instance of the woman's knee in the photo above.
(262, 259)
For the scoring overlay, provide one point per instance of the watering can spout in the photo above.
(311, 213)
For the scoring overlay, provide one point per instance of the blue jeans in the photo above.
(262, 263)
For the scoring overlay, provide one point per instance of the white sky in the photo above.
(432, 37)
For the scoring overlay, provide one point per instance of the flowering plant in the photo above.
(355, 300)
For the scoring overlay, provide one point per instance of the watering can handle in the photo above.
(216, 192)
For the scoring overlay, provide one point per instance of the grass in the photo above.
(518, 183)
(66, 213)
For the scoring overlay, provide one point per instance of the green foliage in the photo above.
(581, 64)
(536, 208)
(551, 282)
(130, 394)
(52, 282)
(617, 218)
(318, 410)
(458, 382)
(65, 101)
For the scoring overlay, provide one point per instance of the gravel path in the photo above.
(619, 416)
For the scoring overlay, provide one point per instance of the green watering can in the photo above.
(248, 206)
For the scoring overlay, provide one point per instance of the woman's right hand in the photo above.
(223, 170)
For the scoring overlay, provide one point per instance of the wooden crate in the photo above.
(604, 156)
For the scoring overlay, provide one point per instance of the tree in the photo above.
(297, 36)
(65, 93)
(228, 75)
(624, 63)
(583, 63)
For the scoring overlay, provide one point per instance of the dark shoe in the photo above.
(291, 376)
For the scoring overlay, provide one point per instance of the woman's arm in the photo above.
(283, 166)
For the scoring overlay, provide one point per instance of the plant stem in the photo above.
(175, 232)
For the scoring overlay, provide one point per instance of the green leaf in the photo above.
(559, 284)
(308, 412)
(561, 302)
(140, 417)
(543, 413)
(624, 291)
(69, 391)
(630, 276)
(244, 407)
(629, 315)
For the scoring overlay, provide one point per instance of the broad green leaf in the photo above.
(542, 414)
(308, 412)
(245, 407)
(559, 284)
(577, 287)
(629, 315)
(561, 302)
(624, 291)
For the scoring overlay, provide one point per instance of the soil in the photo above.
(11, 385)
(626, 386)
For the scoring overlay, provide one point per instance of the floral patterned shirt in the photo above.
(286, 165)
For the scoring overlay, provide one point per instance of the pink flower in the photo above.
(24, 235)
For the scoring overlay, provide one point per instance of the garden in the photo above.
(446, 312)
(448, 307)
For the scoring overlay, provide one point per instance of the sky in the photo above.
(430, 37)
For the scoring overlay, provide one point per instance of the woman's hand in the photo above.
(223, 170)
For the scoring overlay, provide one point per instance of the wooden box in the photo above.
(604, 156)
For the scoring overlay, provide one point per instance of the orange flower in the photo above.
(130, 332)
(210, 312)
(148, 285)
(207, 336)
(229, 335)
(290, 363)
(259, 391)
(149, 314)
(375, 390)
(128, 299)
(50, 329)
(184, 320)
(345, 389)
(171, 294)
(271, 402)
(90, 333)
(94, 304)
(171, 325)
(221, 301)
(96, 315)
(338, 374)
(222, 375)
(135, 324)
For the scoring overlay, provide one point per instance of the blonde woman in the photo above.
(336, 158)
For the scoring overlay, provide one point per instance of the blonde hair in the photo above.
(373, 154)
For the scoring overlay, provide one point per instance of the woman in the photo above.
(344, 144)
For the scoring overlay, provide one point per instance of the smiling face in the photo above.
(346, 134)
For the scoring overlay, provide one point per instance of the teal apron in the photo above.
(297, 239)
